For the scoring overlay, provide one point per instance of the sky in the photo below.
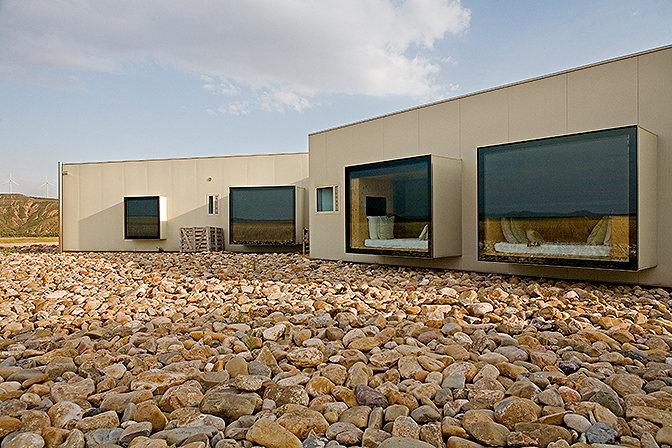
(99, 80)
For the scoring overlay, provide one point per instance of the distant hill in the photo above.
(22, 215)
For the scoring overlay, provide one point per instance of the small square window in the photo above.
(327, 199)
(213, 204)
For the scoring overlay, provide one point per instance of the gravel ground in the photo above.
(227, 350)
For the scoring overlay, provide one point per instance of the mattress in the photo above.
(576, 250)
(398, 243)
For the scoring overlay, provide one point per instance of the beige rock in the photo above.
(237, 366)
(32, 419)
(303, 422)
(461, 368)
(54, 437)
(107, 419)
(305, 357)
(118, 402)
(157, 381)
(183, 395)
(24, 440)
(515, 410)
(75, 439)
(659, 416)
(357, 415)
(459, 442)
(8, 425)
(146, 442)
(365, 344)
(405, 427)
(79, 390)
(248, 383)
(319, 385)
(272, 435)
(65, 414)
(489, 433)
(148, 411)
(664, 435)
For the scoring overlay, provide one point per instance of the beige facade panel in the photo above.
(633, 90)
(93, 195)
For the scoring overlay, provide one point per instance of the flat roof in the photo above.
(187, 158)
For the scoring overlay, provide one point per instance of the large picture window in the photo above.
(388, 207)
(142, 217)
(569, 200)
(263, 215)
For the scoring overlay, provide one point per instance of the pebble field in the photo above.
(227, 350)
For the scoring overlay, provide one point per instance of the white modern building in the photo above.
(562, 176)
(141, 205)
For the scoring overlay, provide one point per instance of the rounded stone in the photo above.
(23, 440)
(514, 410)
(577, 422)
(601, 432)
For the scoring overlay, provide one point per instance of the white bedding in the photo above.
(580, 250)
(398, 243)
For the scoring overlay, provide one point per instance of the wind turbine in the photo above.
(46, 184)
(10, 182)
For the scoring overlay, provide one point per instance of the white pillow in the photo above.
(373, 226)
(423, 234)
(386, 227)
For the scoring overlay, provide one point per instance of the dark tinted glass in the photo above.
(559, 200)
(141, 217)
(388, 207)
(262, 215)
(325, 199)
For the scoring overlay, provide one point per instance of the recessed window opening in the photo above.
(262, 215)
(213, 204)
(142, 217)
(327, 199)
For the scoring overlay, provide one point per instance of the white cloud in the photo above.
(282, 53)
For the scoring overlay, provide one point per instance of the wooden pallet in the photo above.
(201, 239)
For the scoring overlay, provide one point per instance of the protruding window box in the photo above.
(145, 217)
(580, 200)
(266, 215)
(405, 207)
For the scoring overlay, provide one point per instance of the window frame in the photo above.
(631, 264)
(390, 166)
(159, 218)
(334, 198)
(296, 224)
(212, 204)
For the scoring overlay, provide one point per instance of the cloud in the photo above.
(283, 53)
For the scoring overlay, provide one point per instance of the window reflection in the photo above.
(262, 215)
(389, 207)
(567, 200)
(141, 217)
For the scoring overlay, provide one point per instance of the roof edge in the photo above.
(231, 156)
(504, 86)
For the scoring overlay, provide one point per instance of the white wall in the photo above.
(93, 194)
(634, 90)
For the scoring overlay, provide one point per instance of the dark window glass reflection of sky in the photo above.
(556, 178)
(262, 203)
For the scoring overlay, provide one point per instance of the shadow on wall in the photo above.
(104, 232)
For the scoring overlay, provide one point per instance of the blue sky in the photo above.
(96, 80)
